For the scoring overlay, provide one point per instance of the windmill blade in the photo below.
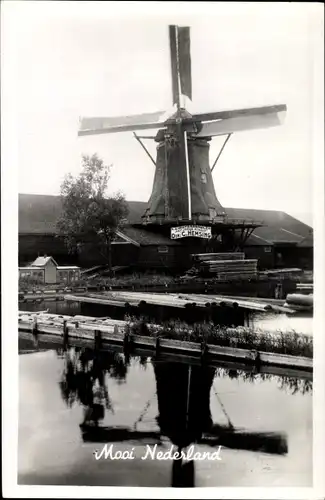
(234, 113)
(180, 56)
(227, 122)
(108, 125)
(184, 50)
(241, 439)
(225, 127)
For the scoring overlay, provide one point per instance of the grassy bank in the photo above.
(291, 343)
(136, 279)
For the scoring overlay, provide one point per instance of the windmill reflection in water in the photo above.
(184, 415)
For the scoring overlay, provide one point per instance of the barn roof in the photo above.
(272, 220)
(38, 215)
(146, 237)
(307, 242)
(270, 235)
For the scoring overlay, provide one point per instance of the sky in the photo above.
(63, 60)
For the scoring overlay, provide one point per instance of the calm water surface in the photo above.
(141, 401)
(145, 401)
(300, 323)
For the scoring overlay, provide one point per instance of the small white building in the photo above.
(46, 270)
(49, 265)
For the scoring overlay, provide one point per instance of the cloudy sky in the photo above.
(69, 59)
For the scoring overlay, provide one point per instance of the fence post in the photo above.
(255, 357)
(35, 331)
(98, 340)
(157, 345)
(65, 334)
(204, 350)
(127, 341)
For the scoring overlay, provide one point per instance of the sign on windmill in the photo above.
(183, 189)
(190, 231)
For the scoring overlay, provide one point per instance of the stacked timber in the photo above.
(230, 269)
(305, 287)
(224, 266)
(283, 272)
(203, 257)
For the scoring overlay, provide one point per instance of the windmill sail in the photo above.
(107, 125)
(184, 48)
(227, 122)
(180, 56)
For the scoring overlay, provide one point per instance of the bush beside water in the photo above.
(291, 343)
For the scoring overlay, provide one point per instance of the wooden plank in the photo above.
(286, 360)
(201, 257)
(230, 262)
(282, 271)
(180, 357)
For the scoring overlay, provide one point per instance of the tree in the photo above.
(89, 216)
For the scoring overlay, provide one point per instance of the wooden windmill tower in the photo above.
(183, 192)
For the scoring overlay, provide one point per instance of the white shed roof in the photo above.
(62, 268)
(42, 261)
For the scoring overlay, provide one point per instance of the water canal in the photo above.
(75, 401)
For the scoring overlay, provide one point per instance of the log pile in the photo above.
(179, 301)
(300, 302)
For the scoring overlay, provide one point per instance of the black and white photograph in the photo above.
(162, 180)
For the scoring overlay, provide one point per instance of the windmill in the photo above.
(183, 191)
